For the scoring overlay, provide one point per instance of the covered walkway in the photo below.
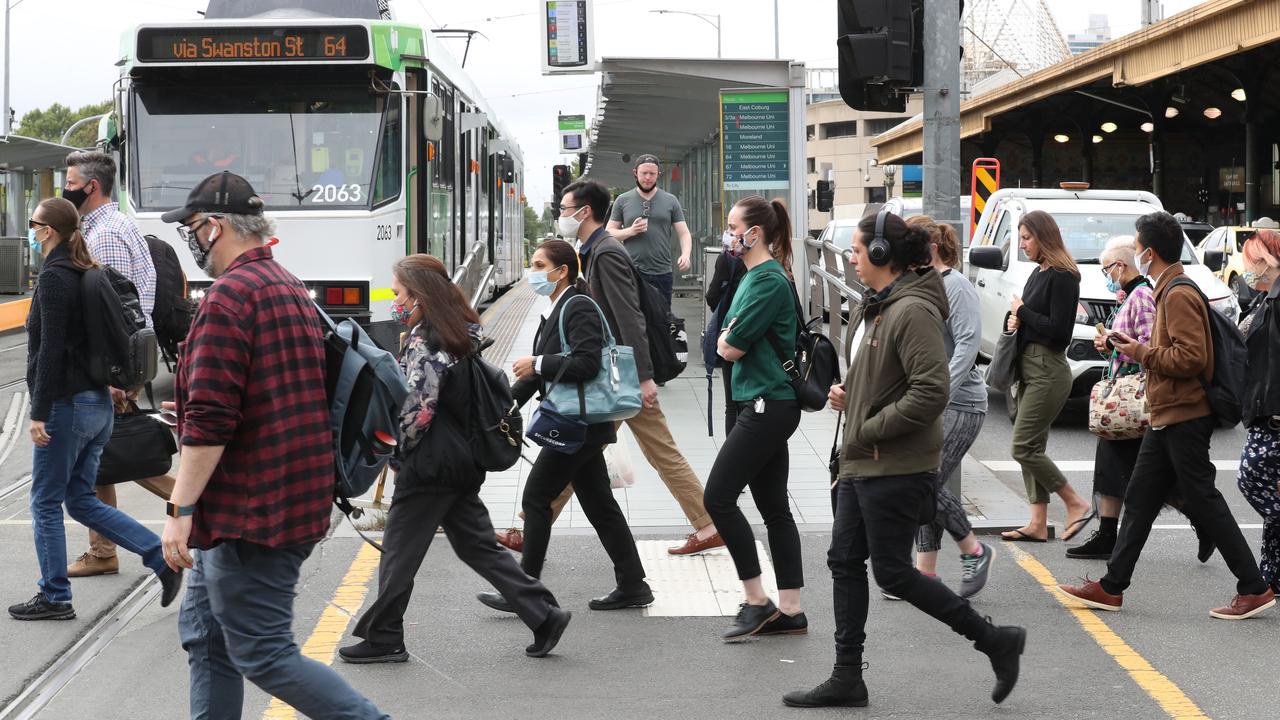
(27, 170)
(1186, 105)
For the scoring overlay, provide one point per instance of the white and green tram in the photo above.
(363, 136)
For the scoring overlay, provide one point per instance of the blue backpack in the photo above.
(366, 391)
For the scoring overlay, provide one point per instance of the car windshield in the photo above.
(1086, 235)
(301, 147)
(843, 236)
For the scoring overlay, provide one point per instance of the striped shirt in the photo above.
(252, 378)
(115, 240)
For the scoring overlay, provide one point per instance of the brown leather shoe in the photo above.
(1245, 606)
(511, 539)
(692, 545)
(89, 565)
(1092, 594)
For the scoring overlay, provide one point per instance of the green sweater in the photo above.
(898, 382)
(765, 300)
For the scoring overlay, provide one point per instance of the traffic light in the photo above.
(559, 181)
(826, 195)
(876, 46)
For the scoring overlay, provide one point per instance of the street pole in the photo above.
(942, 124)
(8, 123)
(718, 55)
(777, 55)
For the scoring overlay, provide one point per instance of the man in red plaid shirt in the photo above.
(257, 473)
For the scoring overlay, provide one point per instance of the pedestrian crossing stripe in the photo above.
(1087, 465)
(1160, 688)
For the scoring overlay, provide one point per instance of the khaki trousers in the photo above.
(659, 448)
(161, 487)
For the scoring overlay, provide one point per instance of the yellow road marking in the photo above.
(332, 626)
(1161, 689)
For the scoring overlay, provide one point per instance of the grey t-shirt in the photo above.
(653, 249)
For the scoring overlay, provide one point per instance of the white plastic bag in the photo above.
(617, 458)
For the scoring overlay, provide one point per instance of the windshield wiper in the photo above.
(1087, 261)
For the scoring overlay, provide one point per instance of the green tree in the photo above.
(533, 227)
(50, 123)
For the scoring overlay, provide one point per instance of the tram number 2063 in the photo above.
(384, 232)
(337, 193)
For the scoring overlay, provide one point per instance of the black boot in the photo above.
(1003, 644)
(843, 689)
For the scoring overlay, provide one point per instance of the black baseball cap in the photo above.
(221, 193)
(647, 158)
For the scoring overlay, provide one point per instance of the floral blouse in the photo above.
(1136, 317)
(423, 367)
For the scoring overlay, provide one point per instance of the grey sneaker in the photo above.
(976, 570)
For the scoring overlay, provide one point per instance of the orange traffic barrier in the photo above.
(13, 315)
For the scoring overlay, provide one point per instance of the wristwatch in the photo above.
(179, 510)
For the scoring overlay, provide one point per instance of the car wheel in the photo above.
(1242, 291)
(1011, 402)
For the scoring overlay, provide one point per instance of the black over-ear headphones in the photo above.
(878, 249)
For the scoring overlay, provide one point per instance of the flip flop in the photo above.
(1019, 536)
(1077, 526)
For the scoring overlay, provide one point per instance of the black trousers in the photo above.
(411, 526)
(1177, 459)
(586, 471)
(731, 407)
(877, 518)
(755, 455)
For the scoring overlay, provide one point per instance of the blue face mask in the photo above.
(1113, 286)
(33, 241)
(540, 284)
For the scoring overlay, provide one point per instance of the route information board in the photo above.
(755, 139)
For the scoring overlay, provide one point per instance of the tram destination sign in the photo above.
(755, 139)
(240, 44)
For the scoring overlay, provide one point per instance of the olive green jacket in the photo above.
(898, 382)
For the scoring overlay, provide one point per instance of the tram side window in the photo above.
(387, 181)
(446, 152)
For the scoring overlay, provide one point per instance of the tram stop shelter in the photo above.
(1188, 108)
(672, 108)
(27, 176)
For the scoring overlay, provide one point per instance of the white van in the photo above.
(1088, 220)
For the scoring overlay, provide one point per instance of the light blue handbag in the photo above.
(614, 393)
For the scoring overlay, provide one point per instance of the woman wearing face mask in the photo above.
(1259, 474)
(755, 453)
(554, 273)
(71, 420)
(1114, 459)
(1044, 318)
(436, 484)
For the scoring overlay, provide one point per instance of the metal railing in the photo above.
(831, 292)
(474, 273)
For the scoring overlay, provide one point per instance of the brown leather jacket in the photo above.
(1180, 354)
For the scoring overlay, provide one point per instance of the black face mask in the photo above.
(77, 196)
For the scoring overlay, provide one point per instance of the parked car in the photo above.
(840, 234)
(1088, 220)
(1195, 230)
(1230, 241)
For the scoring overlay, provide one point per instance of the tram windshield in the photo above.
(301, 147)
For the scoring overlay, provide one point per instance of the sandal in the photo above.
(1074, 527)
(1019, 536)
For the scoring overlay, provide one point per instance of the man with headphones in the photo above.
(893, 398)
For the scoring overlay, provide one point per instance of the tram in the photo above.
(362, 135)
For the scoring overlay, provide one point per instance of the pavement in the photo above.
(1161, 657)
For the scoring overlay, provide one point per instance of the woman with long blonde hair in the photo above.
(1044, 318)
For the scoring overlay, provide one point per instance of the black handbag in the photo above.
(550, 429)
(140, 447)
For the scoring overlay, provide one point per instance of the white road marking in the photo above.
(1085, 465)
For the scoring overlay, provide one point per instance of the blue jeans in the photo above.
(665, 283)
(237, 622)
(65, 471)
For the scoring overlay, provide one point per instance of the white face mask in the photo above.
(569, 224)
(1143, 267)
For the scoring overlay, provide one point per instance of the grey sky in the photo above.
(65, 50)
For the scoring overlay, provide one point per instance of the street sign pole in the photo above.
(942, 112)
(942, 124)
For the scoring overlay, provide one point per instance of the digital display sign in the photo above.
(238, 44)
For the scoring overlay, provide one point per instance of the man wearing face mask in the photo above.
(608, 270)
(645, 219)
(256, 480)
(113, 239)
